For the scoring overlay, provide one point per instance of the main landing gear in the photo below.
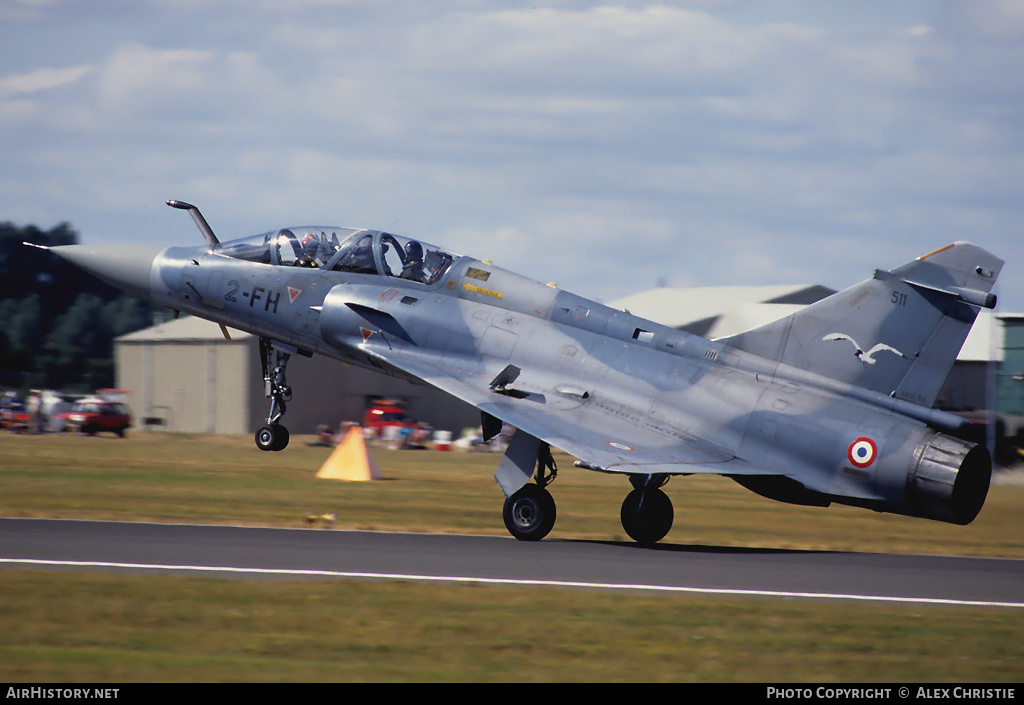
(529, 512)
(647, 511)
(274, 436)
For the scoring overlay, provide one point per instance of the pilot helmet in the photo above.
(310, 247)
(414, 251)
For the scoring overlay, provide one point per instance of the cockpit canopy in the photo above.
(344, 250)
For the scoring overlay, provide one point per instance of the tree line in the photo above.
(57, 323)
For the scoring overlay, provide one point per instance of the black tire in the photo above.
(282, 438)
(530, 513)
(272, 437)
(647, 515)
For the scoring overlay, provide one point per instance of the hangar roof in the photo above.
(722, 311)
(184, 329)
(719, 311)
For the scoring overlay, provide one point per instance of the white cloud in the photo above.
(989, 19)
(41, 79)
(702, 142)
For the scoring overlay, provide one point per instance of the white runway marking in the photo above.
(285, 572)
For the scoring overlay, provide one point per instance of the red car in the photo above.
(384, 414)
(92, 417)
(13, 417)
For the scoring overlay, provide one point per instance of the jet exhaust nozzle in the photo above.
(950, 480)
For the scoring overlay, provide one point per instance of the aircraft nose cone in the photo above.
(126, 267)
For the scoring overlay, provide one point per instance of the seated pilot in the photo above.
(310, 249)
(413, 268)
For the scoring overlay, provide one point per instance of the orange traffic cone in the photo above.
(350, 461)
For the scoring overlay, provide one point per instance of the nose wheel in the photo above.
(274, 361)
(272, 437)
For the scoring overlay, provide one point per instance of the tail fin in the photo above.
(897, 333)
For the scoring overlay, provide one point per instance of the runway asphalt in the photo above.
(265, 553)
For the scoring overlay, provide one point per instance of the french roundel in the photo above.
(862, 452)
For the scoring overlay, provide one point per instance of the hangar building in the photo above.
(185, 376)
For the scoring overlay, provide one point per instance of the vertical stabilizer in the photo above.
(897, 333)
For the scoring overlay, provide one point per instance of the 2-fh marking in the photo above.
(269, 302)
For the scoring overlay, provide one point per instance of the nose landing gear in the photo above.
(274, 360)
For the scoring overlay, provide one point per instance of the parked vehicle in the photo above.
(385, 414)
(14, 416)
(94, 416)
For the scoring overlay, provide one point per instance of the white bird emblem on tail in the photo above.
(867, 358)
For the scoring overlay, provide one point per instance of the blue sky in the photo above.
(609, 147)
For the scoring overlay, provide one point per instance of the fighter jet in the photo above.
(795, 411)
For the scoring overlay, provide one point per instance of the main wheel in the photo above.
(272, 437)
(530, 513)
(647, 515)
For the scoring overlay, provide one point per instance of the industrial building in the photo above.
(184, 375)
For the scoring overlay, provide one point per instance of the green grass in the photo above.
(78, 626)
(113, 628)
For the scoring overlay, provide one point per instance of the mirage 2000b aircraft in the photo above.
(832, 404)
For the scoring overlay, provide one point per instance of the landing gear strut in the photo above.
(274, 436)
(530, 512)
(647, 511)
